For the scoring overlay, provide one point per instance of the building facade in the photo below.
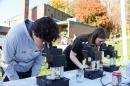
(38, 12)
(47, 10)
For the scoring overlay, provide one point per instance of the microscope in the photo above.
(56, 61)
(109, 53)
(93, 60)
(54, 56)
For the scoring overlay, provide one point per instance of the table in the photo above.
(69, 74)
(22, 82)
(87, 82)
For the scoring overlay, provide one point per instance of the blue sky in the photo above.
(10, 8)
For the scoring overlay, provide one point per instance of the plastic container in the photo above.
(116, 78)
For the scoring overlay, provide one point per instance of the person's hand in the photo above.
(84, 66)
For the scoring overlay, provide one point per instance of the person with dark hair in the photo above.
(23, 46)
(73, 52)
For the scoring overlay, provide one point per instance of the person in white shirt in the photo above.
(23, 46)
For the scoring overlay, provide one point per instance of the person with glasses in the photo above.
(23, 46)
(73, 52)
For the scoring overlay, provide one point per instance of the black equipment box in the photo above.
(43, 81)
(93, 74)
(110, 68)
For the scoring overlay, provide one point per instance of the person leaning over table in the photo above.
(73, 52)
(23, 46)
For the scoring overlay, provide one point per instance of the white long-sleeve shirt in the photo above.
(20, 53)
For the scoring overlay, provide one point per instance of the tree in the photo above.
(70, 7)
(93, 12)
(66, 6)
(59, 4)
(113, 9)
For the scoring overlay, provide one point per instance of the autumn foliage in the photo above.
(58, 4)
(92, 12)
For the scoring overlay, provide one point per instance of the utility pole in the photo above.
(123, 26)
(25, 9)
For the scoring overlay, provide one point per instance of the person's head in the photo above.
(45, 29)
(99, 36)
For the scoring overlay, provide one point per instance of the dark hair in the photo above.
(46, 29)
(99, 33)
